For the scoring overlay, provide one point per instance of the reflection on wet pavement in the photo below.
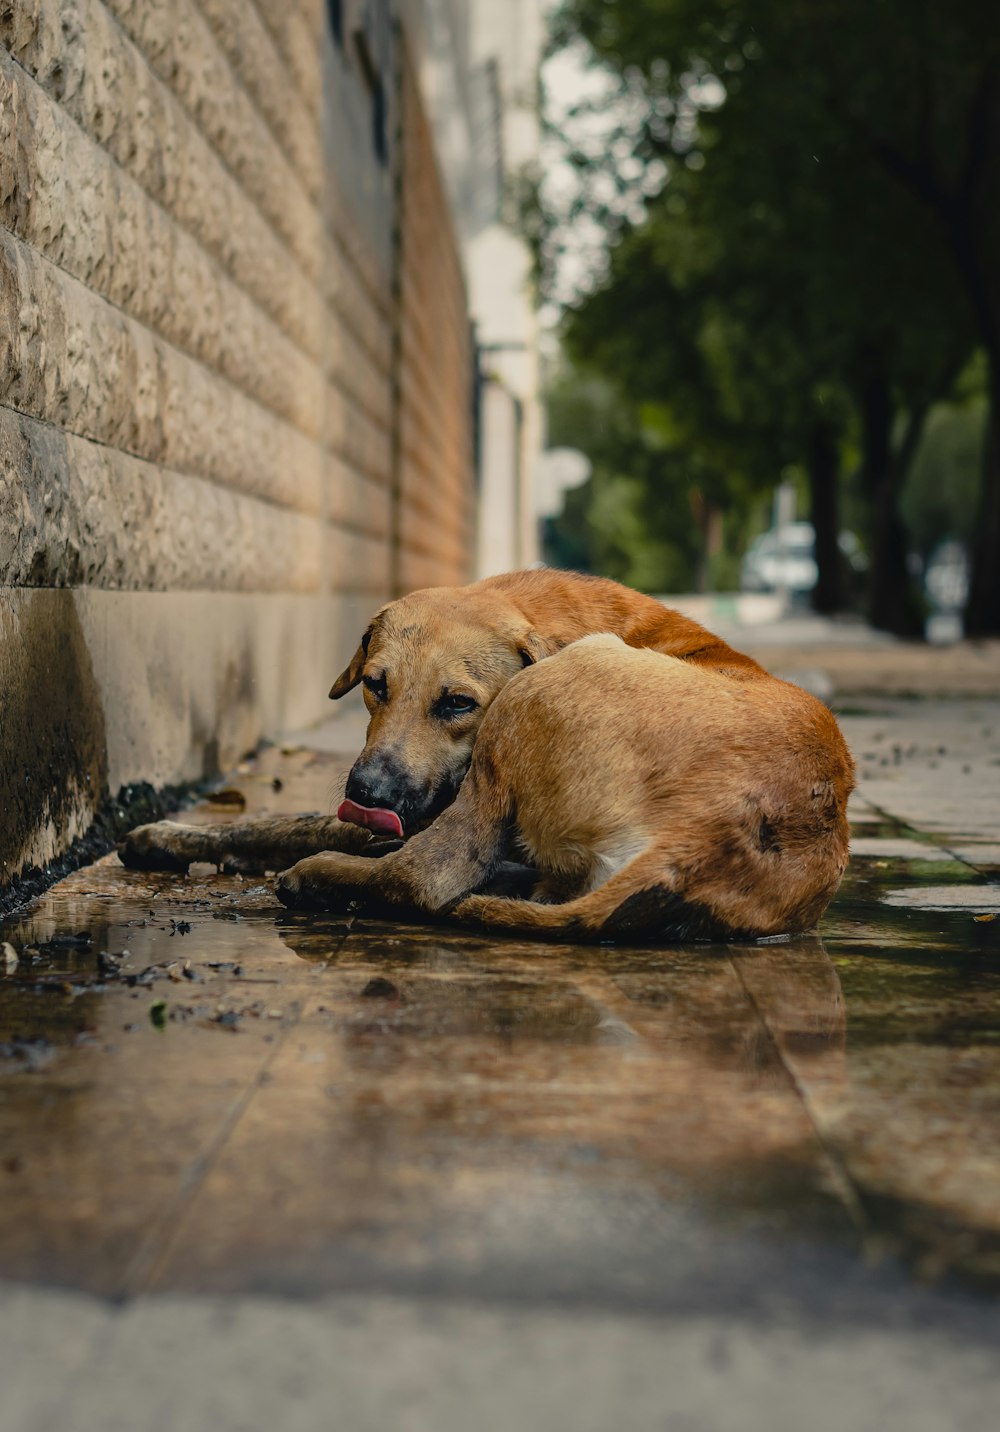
(200, 1090)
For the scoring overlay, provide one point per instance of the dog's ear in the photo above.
(532, 647)
(351, 675)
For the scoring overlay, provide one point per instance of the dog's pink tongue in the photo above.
(385, 822)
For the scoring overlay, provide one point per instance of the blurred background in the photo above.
(767, 237)
(307, 305)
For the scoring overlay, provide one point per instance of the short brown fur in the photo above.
(663, 784)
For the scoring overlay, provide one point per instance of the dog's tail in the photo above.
(636, 904)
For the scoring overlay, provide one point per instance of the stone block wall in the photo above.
(235, 408)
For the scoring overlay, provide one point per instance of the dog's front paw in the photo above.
(329, 881)
(303, 886)
(160, 846)
(286, 887)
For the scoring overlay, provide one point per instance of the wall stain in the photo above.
(53, 770)
(54, 797)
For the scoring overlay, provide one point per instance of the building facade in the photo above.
(237, 378)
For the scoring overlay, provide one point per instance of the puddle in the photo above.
(203, 1089)
(978, 899)
(129, 967)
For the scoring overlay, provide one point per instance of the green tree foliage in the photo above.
(820, 261)
(953, 445)
(637, 518)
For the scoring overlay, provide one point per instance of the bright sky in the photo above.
(568, 81)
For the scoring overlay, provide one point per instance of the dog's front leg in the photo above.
(345, 883)
(255, 845)
(403, 882)
(433, 871)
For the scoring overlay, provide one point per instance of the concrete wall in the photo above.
(511, 37)
(498, 546)
(235, 404)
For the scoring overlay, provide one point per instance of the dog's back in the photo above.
(652, 786)
(566, 606)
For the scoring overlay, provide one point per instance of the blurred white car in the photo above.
(946, 577)
(783, 559)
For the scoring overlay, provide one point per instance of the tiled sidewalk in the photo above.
(742, 1186)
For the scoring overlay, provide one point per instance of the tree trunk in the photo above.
(893, 604)
(823, 459)
(709, 520)
(982, 614)
(976, 269)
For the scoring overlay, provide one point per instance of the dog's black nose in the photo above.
(372, 785)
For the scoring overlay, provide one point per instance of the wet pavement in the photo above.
(209, 1102)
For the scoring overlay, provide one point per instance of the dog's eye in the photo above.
(377, 686)
(452, 705)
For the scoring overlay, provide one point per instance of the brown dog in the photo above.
(672, 789)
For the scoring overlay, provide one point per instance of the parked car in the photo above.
(783, 559)
(946, 577)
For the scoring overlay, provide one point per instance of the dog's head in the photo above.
(430, 665)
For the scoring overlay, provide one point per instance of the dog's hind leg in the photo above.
(455, 855)
(258, 844)
(636, 903)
